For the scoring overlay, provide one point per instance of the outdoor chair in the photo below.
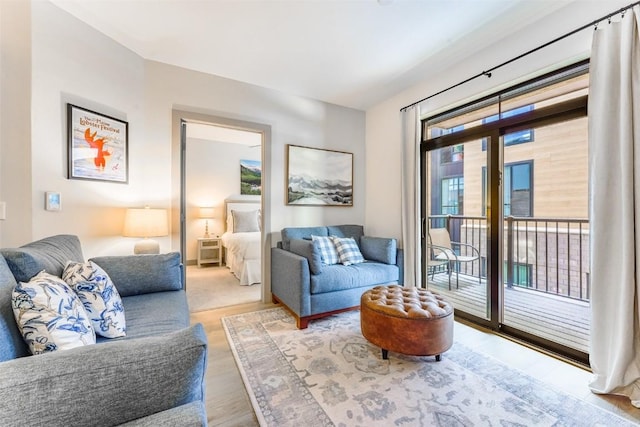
(443, 250)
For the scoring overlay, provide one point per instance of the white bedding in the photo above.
(243, 255)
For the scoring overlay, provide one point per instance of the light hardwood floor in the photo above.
(228, 404)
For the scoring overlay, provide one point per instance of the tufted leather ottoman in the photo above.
(410, 321)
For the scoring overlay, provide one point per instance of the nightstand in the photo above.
(209, 251)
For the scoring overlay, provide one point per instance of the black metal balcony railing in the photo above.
(550, 255)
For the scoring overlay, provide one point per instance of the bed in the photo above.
(242, 239)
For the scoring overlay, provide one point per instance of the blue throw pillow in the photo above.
(379, 249)
(327, 249)
(310, 250)
(348, 250)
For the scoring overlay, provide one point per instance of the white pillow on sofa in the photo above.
(50, 315)
(327, 248)
(348, 250)
(99, 297)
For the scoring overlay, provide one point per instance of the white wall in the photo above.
(293, 120)
(15, 121)
(383, 121)
(212, 174)
(72, 62)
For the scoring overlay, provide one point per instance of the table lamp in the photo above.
(146, 222)
(207, 214)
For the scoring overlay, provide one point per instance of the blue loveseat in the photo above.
(152, 377)
(310, 289)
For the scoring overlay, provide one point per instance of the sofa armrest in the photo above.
(143, 274)
(105, 384)
(291, 280)
(192, 414)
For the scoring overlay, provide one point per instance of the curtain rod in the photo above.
(529, 52)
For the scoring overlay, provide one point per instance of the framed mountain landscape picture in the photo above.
(98, 146)
(318, 177)
(251, 177)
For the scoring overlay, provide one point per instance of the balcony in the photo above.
(546, 277)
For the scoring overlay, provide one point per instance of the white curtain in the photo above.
(614, 163)
(411, 195)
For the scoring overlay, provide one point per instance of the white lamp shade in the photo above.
(145, 222)
(206, 212)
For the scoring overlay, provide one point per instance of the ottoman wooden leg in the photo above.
(385, 354)
(438, 358)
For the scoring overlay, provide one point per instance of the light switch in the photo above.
(3, 210)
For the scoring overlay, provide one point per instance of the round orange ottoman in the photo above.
(410, 321)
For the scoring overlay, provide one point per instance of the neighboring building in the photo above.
(545, 184)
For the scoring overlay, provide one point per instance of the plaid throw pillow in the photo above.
(348, 251)
(327, 249)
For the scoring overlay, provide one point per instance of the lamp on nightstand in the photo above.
(146, 222)
(206, 213)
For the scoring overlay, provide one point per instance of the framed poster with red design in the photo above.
(98, 146)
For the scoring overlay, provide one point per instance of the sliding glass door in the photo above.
(456, 230)
(504, 206)
(546, 235)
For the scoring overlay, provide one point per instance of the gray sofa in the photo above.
(311, 289)
(152, 377)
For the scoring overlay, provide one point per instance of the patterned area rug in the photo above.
(329, 375)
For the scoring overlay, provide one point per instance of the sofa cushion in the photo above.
(348, 250)
(50, 315)
(339, 277)
(327, 249)
(50, 254)
(310, 250)
(11, 343)
(355, 231)
(153, 314)
(304, 233)
(141, 274)
(379, 249)
(99, 297)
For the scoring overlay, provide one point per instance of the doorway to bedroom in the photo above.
(221, 212)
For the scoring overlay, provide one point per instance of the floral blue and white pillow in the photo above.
(328, 252)
(99, 297)
(50, 315)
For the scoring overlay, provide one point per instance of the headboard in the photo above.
(240, 203)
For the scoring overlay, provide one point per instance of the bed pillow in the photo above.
(327, 248)
(99, 297)
(245, 221)
(348, 251)
(50, 315)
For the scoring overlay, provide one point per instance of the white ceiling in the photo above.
(348, 52)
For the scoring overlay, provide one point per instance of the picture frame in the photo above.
(52, 201)
(98, 146)
(319, 177)
(251, 177)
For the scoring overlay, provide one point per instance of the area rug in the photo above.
(329, 375)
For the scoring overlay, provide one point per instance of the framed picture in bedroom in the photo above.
(251, 177)
(98, 146)
(319, 177)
